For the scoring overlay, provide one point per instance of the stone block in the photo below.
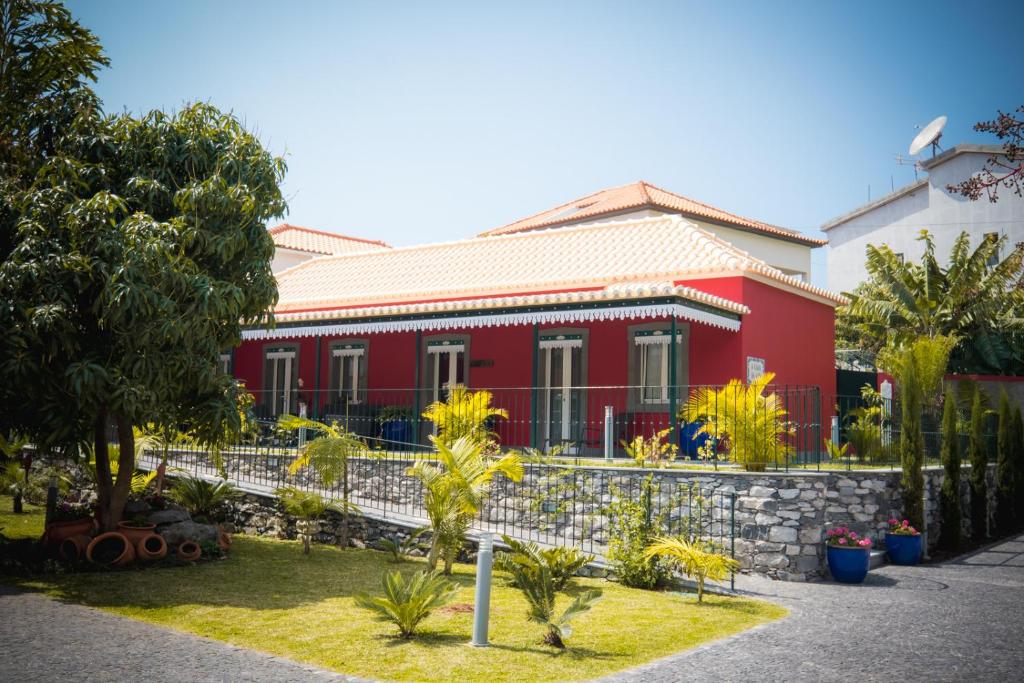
(761, 492)
(781, 534)
(789, 494)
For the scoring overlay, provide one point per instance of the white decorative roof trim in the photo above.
(503, 319)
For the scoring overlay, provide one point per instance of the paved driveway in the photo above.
(949, 622)
(955, 621)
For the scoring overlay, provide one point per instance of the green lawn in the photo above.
(27, 525)
(268, 596)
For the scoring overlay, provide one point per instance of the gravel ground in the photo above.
(954, 621)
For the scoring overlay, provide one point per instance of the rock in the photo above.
(133, 508)
(761, 492)
(188, 531)
(782, 534)
(168, 517)
(789, 494)
(356, 543)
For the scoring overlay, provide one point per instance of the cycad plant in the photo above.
(694, 558)
(400, 548)
(201, 497)
(308, 508)
(464, 414)
(539, 586)
(562, 562)
(753, 423)
(328, 455)
(407, 603)
(455, 489)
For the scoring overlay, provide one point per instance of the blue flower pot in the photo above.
(397, 434)
(848, 565)
(903, 548)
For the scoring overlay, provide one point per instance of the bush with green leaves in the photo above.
(632, 526)
(696, 559)
(978, 455)
(308, 507)
(408, 602)
(562, 562)
(540, 588)
(401, 548)
(950, 514)
(200, 497)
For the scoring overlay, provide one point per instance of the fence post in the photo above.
(672, 379)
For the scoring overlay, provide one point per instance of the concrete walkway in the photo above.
(955, 621)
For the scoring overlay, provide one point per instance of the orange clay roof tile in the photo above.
(321, 242)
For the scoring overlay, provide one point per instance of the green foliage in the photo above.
(753, 423)
(455, 490)
(653, 449)
(865, 427)
(980, 306)
(201, 497)
(328, 455)
(978, 457)
(407, 603)
(694, 558)
(632, 526)
(309, 508)
(1017, 449)
(950, 514)
(562, 562)
(835, 451)
(464, 414)
(400, 548)
(1006, 470)
(141, 251)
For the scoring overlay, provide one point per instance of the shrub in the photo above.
(632, 526)
(698, 560)
(539, 586)
(977, 453)
(408, 603)
(950, 514)
(1005, 469)
(202, 497)
(399, 547)
(753, 423)
(308, 508)
(465, 414)
(563, 563)
(653, 448)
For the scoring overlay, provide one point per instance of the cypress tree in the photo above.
(912, 446)
(979, 468)
(1017, 456)
(1005, 474)
(950, 535)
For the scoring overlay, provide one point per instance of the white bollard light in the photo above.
(609, 432)
(482, 603)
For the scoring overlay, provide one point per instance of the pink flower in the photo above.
(864, 542)
(906, 522)
(893, 521)
(853, 534)
(842, 541)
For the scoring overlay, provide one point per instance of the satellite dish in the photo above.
(929, 135)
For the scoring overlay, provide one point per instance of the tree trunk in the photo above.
(18, 507)
(435, 549)
(113, 494)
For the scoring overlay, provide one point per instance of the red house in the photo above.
(563, 319)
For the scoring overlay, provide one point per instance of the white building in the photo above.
(898, 218)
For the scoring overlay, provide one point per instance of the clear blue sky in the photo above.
(427, 121)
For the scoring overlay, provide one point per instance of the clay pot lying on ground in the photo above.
(151, 548)
(73, 549)
(189, 551)
(111, 549)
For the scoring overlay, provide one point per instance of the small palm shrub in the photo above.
(309, 508)
(538, 585)
(400, 548)
(754, 424)
(695, 559)
(563, 563)
(632, 526)
(652, 449)
(201, 497)
(407, 603)
(465, 414)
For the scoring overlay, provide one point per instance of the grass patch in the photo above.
(267, 596)
(26, 525)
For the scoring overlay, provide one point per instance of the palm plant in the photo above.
(400, 548)
(694, 558)
(753, 423)
(538, 585)
(407, 603)
(201, 497)
(309, 508)
(455, 490)
(464, 414)
(562, 562)
(981, 305)
(328, 455)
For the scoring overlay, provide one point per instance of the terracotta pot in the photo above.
(223, 539)
(135, 533)
(151, 548)
(111, 549)
(189, 551)
(73, 549)
(56, 532)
